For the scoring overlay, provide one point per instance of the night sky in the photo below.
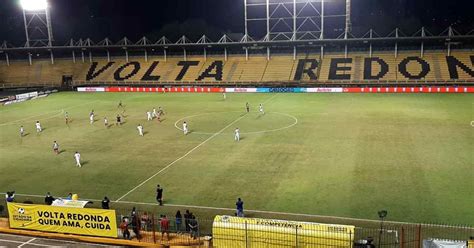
(115, 19)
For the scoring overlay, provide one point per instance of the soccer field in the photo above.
(346, 155)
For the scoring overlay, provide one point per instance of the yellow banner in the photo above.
(229, 231)
(84, 221)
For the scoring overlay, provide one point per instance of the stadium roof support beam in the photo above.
(30, 60)
(4, 46)
(348, 26)
(422, 48)
(7, 59)
(52, 56)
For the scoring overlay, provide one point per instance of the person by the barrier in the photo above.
(193, 226)
(164, 225)
(145, 221)
(179, 221)
(105, 203)
(69, 196)
(48, 200)
(159, 194)
(124, 229)
(187, 218)
(240, 207)
(136, 226)
(10, 196)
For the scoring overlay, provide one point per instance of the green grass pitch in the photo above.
(348, 155)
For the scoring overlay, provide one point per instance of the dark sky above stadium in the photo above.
(115, 19)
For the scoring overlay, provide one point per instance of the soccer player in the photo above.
(77, 157)
(56, 147)
(38, 127)
(161, 111)
(158, 117)
(140, 129)
(260, 108)
(149, 117)
(22, 131)
(66, 116)
(119, 120)
(154, 114)
(224, 96)
(185, 128)
(237, 134)
(247, 106)
(106, 122)
(120, 104)
(91, 116)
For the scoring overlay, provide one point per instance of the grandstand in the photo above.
(435, 67)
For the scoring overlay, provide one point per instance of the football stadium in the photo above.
(237, 123)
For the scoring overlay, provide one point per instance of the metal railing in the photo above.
(150, 230)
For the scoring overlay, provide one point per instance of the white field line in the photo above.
(295, 121)
(46, 239)
(56, 111)
(258, 211)
(20, 242)
(178, 159)
(29, 241)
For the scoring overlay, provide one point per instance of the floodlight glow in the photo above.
(33, 5)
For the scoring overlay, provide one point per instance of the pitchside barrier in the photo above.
(196, 89)
(258, 229)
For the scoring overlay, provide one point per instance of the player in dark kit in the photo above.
(159, 194)
(247, 106)
(119, 120)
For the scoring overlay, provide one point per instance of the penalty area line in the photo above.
(180, 158)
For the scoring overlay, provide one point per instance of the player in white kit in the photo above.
(106, 122)
(224, 96)
(77, 157)
(56, 147)
(154, 114)
(38, 127)
(237, 134)
(22, 131)
(185, 128)
(260, 108)
(140, 129)
(91, 117)
(149, 117)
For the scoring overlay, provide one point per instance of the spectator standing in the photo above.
(145, 221)
(136, 225)
(69, 196)
(193, 226)
(48, 200)
(165, 225)
(124, 228)
(240, 207)
(105, 203)
(179, 221)
(159, 194)
(133, 212)
(187, 218)
(10, 196)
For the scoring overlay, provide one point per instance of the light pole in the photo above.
(38, 29)
(382, 214)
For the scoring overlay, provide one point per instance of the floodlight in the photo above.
(32, 5)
